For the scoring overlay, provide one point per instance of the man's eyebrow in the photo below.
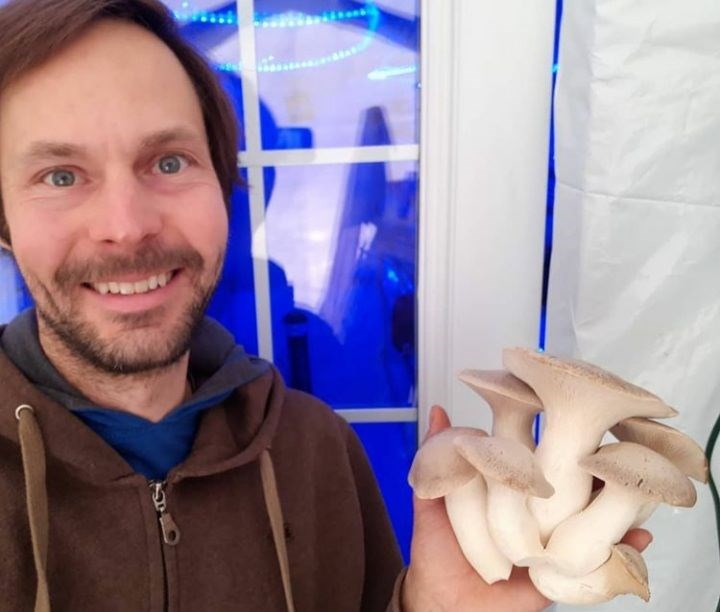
(42, 150)
(169, 136)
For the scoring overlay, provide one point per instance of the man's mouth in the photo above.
(146, 285)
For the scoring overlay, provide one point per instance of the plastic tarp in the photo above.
(635, 272)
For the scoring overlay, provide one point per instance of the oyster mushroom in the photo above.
(581, 402)
(511, 474)
(438, 470)
(682, 450)
(634, 475)
(623, 573)
(513, 403)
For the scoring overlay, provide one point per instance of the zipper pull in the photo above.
(170, 531)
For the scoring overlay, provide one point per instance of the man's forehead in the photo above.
(84, 98)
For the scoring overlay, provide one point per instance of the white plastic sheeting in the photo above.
(635, 274)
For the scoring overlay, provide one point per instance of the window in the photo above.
(321, 270)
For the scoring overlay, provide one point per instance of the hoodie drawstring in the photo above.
(274, 510)
(33, 458)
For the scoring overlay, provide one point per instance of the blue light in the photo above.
(293, 20)
(270, 20)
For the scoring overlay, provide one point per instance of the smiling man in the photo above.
(146, 462)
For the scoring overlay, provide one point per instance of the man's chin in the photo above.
(136, 351)
(124, 344)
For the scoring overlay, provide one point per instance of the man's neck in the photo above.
(150, 395)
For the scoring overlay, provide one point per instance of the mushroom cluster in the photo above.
(512, 504)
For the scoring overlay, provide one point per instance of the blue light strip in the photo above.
(371, 12)
(270, 20)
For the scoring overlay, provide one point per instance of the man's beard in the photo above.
(145, 353)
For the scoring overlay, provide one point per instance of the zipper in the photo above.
(168, 527)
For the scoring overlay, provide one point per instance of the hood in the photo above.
(236, 431)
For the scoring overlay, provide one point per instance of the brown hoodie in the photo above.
(105, 548)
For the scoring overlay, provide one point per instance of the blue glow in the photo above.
(371, 12)
(270, 20)
(380, 74)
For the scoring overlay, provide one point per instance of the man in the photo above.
(147, 463)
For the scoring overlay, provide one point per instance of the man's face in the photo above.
(116, 216)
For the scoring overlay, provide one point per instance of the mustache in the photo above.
(148, 259)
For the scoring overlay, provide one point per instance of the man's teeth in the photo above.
(143, 286)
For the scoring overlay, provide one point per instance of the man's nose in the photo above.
(125, 211)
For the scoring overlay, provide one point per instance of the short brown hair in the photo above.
(32, 31)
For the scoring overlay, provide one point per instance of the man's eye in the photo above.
(171, 164)
(59, 178)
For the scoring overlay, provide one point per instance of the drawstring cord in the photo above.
(274, 510)
(33, 458)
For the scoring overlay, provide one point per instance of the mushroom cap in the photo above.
(582, 383)
(679, 448)
(639, 468)
(507, 461)
(491, 384)
(438, 468)
(623, 573)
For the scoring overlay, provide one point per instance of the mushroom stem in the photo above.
(516, 426)
(634, 475)
(583, 542)
(466, 508)
(625, 572)
(511, 525)
(558, 454)
(581, 402)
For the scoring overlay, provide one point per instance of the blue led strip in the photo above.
(371, 12)
(270, 20)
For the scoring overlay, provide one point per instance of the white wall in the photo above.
(484, 149)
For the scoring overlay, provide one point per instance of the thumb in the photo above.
(439, 420)
(430, 513)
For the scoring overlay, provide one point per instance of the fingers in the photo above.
(638, 538)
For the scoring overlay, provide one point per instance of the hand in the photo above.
(439, 578)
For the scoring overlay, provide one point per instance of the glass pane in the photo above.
(341, 240)
(14, 296)
(233, 304)
(212, 28)
(391, 448)
(325, 65)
